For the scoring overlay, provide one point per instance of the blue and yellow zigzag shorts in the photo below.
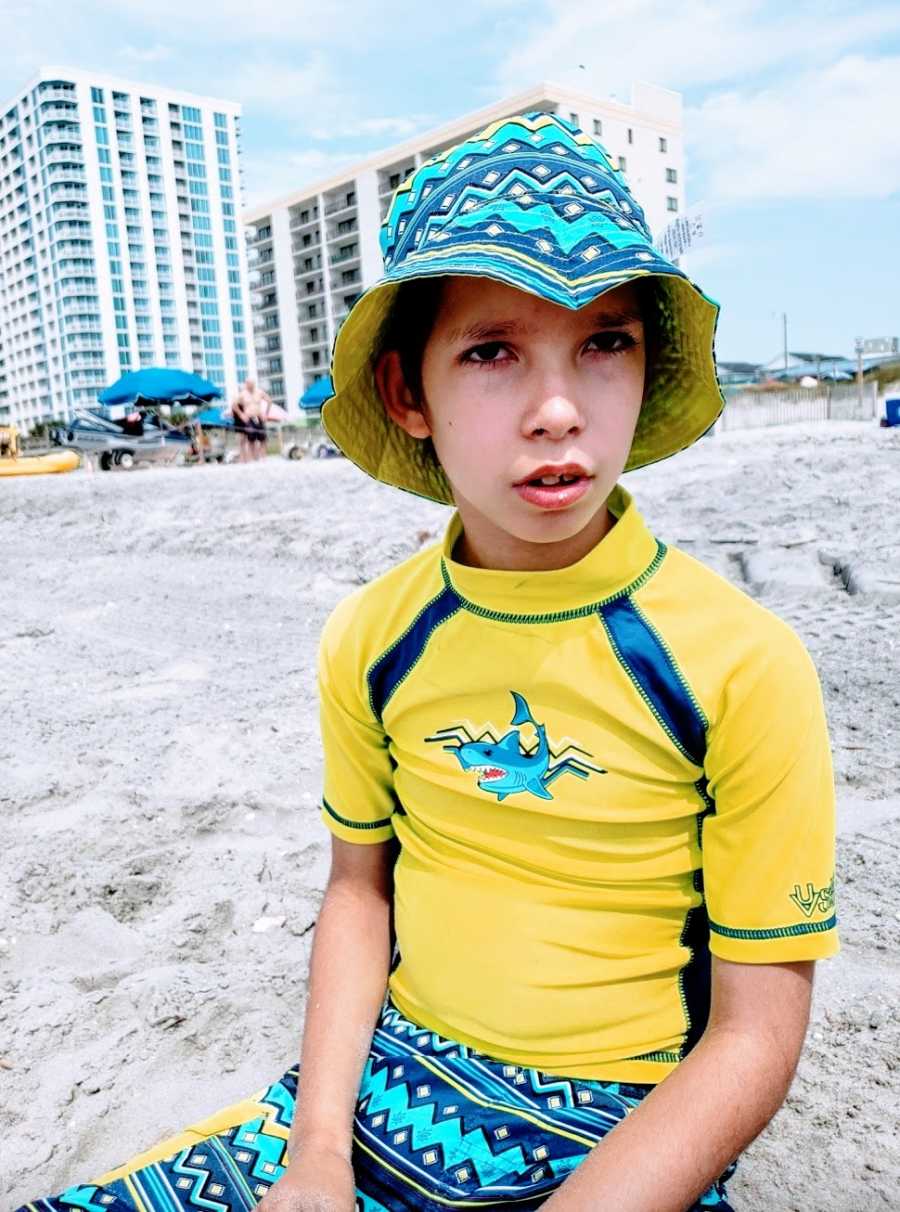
(438, 1126)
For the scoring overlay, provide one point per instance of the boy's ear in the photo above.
(398, 400)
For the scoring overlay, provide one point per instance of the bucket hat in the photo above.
(533, 202)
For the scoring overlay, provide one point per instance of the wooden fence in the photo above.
(752, 410)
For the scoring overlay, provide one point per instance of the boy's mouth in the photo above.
(554, 487)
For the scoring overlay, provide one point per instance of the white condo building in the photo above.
(313, 252)
(120, 240)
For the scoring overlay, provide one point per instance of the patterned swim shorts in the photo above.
(438, 1126)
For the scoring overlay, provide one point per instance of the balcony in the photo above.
(68, 134)
(340, 204)
(50, 112)
(47, 95)
(298, 224)
(83, 296)
(344, 258)
(334, 234)
(68, 193)
(65, 155)
(72, 212)
(312, 297)
(66, 172)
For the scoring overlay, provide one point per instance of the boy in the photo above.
(582, 781)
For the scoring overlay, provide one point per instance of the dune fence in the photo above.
(840, 402)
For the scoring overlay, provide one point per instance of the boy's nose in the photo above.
(555, 415)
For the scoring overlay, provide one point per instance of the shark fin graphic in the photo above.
(510, 741)
(538, 789)
(523, 712)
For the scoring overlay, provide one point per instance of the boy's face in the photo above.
(531, 407)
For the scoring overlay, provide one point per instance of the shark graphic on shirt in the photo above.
(507, 767)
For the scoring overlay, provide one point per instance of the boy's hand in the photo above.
(316, 1182)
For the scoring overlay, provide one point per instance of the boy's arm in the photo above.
(692, 1125)
(348, 977)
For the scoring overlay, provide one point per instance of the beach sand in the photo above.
(162, 858)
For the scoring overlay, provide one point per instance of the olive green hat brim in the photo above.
(682, 398)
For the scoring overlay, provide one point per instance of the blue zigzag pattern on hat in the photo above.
(536, 173)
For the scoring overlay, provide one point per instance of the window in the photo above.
(623, 164)
(672, 176)
(190, 114)
(630, 135)
(573, 118)
(222, 153)
(222, 138)
(663, 144)
(394, 180)
(221, 121)
(97, 95)
(99, 114)
(598, 127)
(194, 132)
(671, 204)
(194, 151)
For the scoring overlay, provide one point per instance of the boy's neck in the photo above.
(483, 544)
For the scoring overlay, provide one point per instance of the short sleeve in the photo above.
(358, 795)
(769, 846)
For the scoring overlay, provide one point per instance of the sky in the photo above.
(792, 115)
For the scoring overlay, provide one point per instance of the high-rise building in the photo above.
(120, 244)
(314, 251)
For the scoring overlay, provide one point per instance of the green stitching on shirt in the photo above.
(777, 931)
(667, 1057)
(642, 692)
(342, 820)
(558, 616)
(399, 640)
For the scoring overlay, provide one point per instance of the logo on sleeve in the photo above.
(814, 900)
(509, 766)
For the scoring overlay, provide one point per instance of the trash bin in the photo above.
(892, 412)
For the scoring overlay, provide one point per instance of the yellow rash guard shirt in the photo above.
(598, 776)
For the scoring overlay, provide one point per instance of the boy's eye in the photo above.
(491, 351)
(611, 342)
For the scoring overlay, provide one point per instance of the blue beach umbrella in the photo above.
(317, 393)
(159, 385)
(216, 417)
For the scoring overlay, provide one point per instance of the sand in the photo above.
(163, 860)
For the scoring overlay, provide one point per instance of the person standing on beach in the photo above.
(579, 786)
(250, 409)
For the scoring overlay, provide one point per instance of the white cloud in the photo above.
(298, 92)
(147, 54)
(825, 133)
(222, 22)
(686, 45)
(273, 175)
